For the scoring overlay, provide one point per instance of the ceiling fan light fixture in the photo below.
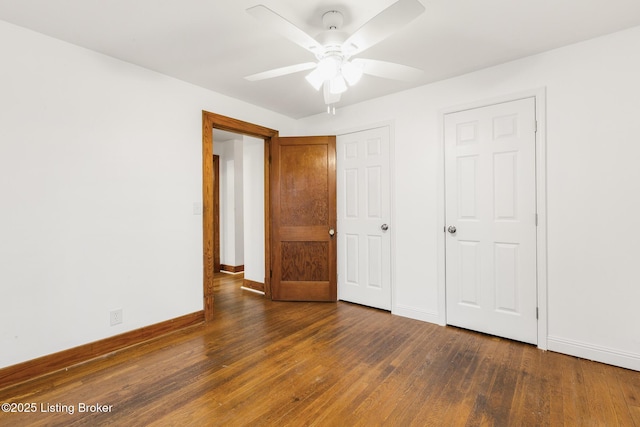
(329, 67)
(315, 78)
(337, 85)
(351, 72)
(330, 98)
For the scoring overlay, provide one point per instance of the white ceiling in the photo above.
(215, 43)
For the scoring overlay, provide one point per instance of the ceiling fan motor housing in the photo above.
(332, 38)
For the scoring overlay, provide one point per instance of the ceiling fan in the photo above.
(334, 49)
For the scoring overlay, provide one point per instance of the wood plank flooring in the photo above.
(263, 363)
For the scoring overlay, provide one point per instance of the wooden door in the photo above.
(303, 209)
(364, 207)
(490, 192)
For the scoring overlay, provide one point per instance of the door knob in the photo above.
(332, 232)
(451, 229)
(384, 227)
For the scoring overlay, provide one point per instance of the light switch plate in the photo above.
(197, 208)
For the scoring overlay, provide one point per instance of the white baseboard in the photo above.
(252, 290)
(594, 352)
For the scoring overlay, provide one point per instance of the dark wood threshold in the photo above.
(250, 284)
(232, 268)
(64, 359)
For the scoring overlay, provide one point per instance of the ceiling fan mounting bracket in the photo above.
(332, 20)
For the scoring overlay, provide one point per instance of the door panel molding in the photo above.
(539, 94)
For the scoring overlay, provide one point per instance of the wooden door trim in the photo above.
(211, 121)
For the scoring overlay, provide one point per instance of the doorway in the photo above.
(284, 195)
(211, 121)
(239, 201)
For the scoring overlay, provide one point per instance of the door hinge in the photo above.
(536, 313)
(535, 126)
(270, 273)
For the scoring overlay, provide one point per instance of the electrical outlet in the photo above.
(115, 317)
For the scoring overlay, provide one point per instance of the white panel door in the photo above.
(364, 244)
(490, 191)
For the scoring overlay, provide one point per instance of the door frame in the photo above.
(211, 121)
(541, 203)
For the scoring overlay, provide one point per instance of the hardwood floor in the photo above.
(326, 364)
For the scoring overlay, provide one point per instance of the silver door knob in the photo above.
(451, 229)
(332, 232)
(384, 227)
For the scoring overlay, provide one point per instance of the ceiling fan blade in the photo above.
(277, 72)
(384, 24)
(283, 27)
(388, 70)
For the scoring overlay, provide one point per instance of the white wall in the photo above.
(593, 193)
(231, 201)
(242, 227)
(238, 211)
(254, 228)
(100, 165)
